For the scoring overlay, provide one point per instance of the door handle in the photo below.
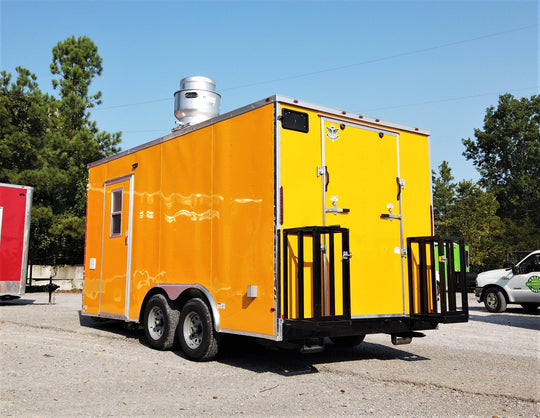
(323, 171)
(400, 186)
(327, 178)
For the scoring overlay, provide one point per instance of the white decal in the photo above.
(332, 132)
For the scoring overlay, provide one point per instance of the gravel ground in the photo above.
(53, 362)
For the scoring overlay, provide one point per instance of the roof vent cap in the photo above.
(196, 101)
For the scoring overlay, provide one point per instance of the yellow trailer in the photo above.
(283, 220)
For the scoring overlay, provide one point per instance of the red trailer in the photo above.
(15, 207)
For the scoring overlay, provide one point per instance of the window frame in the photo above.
(115, 214)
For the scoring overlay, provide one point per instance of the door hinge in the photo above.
(346, 256)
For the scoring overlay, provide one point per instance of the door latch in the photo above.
(390, 215)
(346, 256)
(334, 209)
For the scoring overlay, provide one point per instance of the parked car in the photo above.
(519, 283)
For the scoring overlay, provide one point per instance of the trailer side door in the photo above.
(116, 247)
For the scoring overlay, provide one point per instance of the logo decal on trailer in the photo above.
(534, 284)
(332, 132)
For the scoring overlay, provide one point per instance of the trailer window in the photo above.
(116, 212)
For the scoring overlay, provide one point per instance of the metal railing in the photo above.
(437, 278)
(321, 287)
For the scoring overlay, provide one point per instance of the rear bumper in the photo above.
(299, 329)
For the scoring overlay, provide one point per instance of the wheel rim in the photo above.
(491, 300)
(193, 330)
(155, 323)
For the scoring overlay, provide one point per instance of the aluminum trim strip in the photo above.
(351, 115)
(118, 179)
(128, 177)
(130, 242)
(278, 204)
(380, 316)
(359, 125)
(401, 226)
(174, 290)
(16, 186)
(250, 334)
(26, 239)
(102, 247)
(324, 176)
(181, 132)
(21, 283)
(271, 99)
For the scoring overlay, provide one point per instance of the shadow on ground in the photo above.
(21, 301)
(247, 353)
(513, 316)
(112, 326)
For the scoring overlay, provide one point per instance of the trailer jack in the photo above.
(405, 338)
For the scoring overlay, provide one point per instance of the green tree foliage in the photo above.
(500, 213)
(464, 209)
(444, 195)
(507, 154)
(47, 142)
(76, 62)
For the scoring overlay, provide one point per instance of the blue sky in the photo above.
(433, 64)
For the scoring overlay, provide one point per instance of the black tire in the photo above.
(196, 335)
(530, 307)
(494, 300)
(348, 341)
(160, 323)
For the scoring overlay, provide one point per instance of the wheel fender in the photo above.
(174, 291)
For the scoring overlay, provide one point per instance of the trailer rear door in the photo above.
(361, 191)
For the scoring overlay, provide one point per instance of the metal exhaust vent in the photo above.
(196, 101)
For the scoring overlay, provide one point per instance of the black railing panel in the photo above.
(437, 286)
(326, 282)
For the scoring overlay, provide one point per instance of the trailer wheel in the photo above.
(494, 300)
(196, 334)
(348, 341)
(160, 323)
